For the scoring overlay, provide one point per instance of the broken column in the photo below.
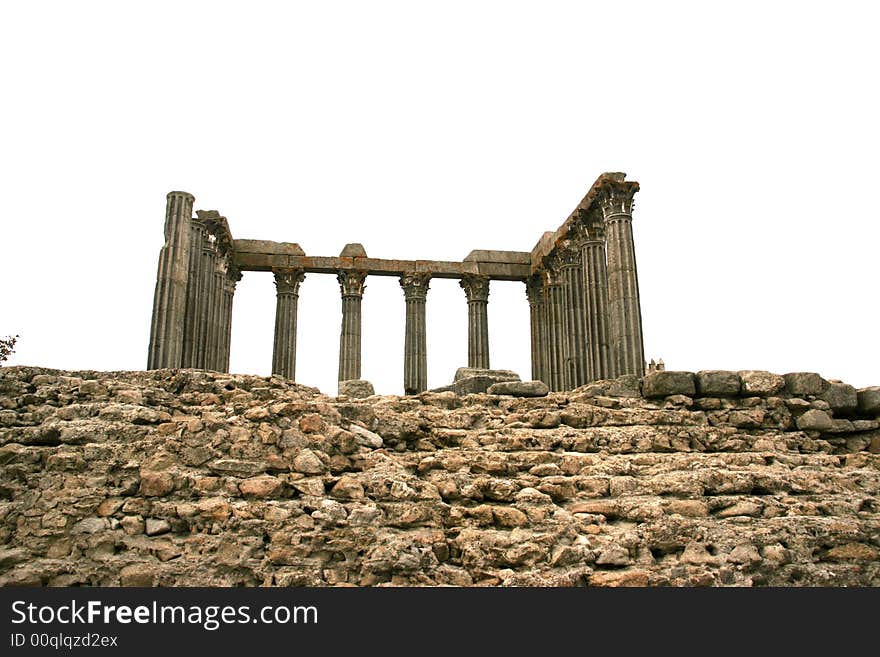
(415, 350)
(351, 284)
(476, 288)
(624, 308)
(169, 299)
(287, 282)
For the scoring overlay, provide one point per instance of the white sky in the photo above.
(427, 130)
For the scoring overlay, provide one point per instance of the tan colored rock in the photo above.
(260, 486)
(156, 484)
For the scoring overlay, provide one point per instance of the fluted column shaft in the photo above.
(169, 299)
(232, 278)
(193, 295)
(624, 307)
(476, 288)
(205, 304)
(351, 285)
(555, 331)
(596, 299)
(415, 348)
(287, 282)
(537, 322)
(575, 322)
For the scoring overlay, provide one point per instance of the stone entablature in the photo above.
(582, 288)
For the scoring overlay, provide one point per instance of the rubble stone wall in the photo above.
(187, 477)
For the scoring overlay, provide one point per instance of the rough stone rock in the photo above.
(718, 383)
(841, 397)
(869, 401)
(760, 383)
(520, 388)
(664, 384)
(801, 384)
(469, 372)
(260, 481)
(815, 420)
(356, 389)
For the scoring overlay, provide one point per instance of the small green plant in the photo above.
(7, 347)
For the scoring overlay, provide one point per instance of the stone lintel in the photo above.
(249, 258)
(506, 257)
(550, 240)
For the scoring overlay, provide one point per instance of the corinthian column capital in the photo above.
(475, 286)
(287, 280)
(415, 285)
(351, 283)
(616, 198)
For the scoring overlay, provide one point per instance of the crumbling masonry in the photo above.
(581, 284)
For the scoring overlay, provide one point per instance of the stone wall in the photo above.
(184, 477)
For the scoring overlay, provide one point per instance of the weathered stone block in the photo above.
(760, 383)
(815, 420)
(804, 383)
(520, 388)
(468, 372)
(718, 383)
(356, 389)
(841, 397)
(663, 384)
(869, 401)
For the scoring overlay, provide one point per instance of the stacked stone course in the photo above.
(183, 477)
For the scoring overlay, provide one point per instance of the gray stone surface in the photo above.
(498, 375)
(663, 384)
(815, 420)
(519, 388)
(356, 388)
(718, 383)
(353, 250)
(801, 384)
(869, 401)
(841, 397)
(760, 383)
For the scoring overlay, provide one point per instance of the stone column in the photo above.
(624, 308)
(351, 284)
(169, 299)
(575, 321)
(215, 329)
(287, 283)
(206, 296)
(596, 292)
(193, 294)
(415, 350)
(476, 288)
(537, 303)
(233, 276)
(555, 328)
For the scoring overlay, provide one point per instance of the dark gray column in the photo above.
(596, 291)
(169, 299)
(351, 284)
(193, 294)
(206, 276)
(233, 275)
(624, 307)
(216, 316)
(476, 288)
(415, 350)
(575, 321)
(537, 321)
(287, 283)
(555, 327)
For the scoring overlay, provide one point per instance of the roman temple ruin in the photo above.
(581, 284)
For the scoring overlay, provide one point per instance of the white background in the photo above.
(425, 130)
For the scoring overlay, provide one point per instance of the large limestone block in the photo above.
(842, 398)
(520, 388)
(663, 384)
(718, 383)
(356, 389)
(801, 384)
(760, 383)
(869, 401)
